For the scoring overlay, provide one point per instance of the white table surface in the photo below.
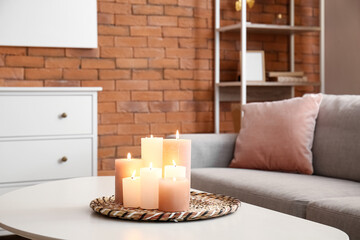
(60, 210)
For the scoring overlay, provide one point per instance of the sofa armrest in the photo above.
(210, 150)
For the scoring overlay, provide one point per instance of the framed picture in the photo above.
(255, 64)
(48, 23)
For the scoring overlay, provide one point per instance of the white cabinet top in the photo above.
(50, 89)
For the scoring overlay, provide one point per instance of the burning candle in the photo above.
(174, 194)
(152, 151)
(174, 171)
(131, 191)
(149, 181)
(124, 167)
(178, 150)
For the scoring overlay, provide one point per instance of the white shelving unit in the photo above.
(245, 27)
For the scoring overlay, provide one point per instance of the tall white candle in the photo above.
(152, 151)
(178, 150)
(174, 171)
(131, 194)
(149, 181)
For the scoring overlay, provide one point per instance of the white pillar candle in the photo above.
(178, 150)
(131, 191)
(174, 194)
(174, 171)
(152, 151)
(149, 181)
(124, 167)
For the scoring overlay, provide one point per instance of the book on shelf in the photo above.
(289, 79)
(285, 74)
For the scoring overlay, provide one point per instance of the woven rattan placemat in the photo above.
(202, 206)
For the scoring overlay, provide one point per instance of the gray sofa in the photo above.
(330, 196)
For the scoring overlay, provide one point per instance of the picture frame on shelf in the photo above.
(255, 66)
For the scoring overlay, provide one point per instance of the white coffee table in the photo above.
(60, 210)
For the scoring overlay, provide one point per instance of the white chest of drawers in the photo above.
(46, 134)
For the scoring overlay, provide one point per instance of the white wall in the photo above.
(48, 23)
(342, 46)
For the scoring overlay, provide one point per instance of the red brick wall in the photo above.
(155, 64)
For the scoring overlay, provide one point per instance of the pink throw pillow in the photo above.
(278, 135)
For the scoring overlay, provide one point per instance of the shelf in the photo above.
(251, 91)
(269, 28)
(259, 91)
(270, 84)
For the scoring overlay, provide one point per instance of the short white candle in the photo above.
(152, 151)
(131, 191)
(174, 194)
(124, 167)
(174, 171)
(149, 179)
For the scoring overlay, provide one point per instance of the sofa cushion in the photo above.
(285, 192)
(336, 148)
(278, 135)
(210, 150)
(342, 213)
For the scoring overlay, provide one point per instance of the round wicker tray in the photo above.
(202, 206)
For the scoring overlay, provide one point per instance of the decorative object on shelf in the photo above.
(286, 74)
(250, 3)
(255, 66)
(202, 206)
(280, 19)
(294, 77)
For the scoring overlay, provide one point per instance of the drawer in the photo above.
(42, 159)
(23, 116)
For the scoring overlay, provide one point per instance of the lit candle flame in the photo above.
(133, 175)
(177, 134)
(129, 156)
(174, 178)
(151, 136)
(174, 163)
(150, 165)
